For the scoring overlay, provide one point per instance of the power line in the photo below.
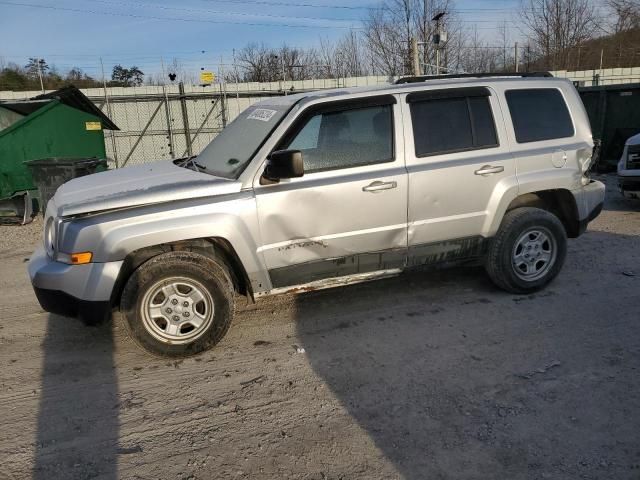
(243, 14)
(294, 4)
(172, 19)
(351, 7)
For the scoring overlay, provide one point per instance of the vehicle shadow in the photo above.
(614, 200)
(77, 430)
(617, 203)
(452, 378)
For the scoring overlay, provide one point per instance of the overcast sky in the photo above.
(76, 33)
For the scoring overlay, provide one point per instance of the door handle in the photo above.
(489, 169)
(379, 186)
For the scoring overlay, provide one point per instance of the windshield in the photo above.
(230, 152)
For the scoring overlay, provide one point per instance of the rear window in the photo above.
(539, 114)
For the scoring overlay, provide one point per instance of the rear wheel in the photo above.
(178, 304)
(528, 251)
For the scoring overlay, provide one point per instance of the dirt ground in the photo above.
(422, 376)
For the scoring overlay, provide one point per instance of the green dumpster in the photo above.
(614, 113)
(50, 173)
(60, 124)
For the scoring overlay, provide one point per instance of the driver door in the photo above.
(348, 213)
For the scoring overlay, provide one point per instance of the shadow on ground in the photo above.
(77, 436)
(452, 378)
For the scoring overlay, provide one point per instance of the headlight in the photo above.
(50, 236)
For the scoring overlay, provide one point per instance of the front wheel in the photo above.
(528, 251)
(178, 304)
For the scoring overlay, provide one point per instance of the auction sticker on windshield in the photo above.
(262, 114)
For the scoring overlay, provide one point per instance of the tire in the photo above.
(178, 304)
(527, 232)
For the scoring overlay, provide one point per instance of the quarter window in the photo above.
(539, 114)
(446, 125)
(346, 138)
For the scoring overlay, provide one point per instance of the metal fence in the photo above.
(162, 124)
(173, 121)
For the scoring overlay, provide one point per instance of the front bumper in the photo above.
(73, 290)
(629, 183)
(61, 303)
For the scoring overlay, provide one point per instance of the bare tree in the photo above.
(350, 55)
(255, 60)
(386, 47)
(505, 50)
(36, 67)
(556, 26)
(389, 30)
(626, 14)
(476, 55)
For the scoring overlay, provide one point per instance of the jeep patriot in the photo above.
(309, 187)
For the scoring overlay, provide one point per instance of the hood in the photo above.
(155, 182)
(635, 140)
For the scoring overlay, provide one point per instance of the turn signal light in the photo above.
(81, 258)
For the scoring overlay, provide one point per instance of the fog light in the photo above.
(81, 258)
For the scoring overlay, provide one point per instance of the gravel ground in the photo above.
(423, 376)
(14, 237)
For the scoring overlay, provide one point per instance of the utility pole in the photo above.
(437, 39)
(415, 58)
(108, 105)
(39, 62)
(284, 78)
(185, 118)
(578, 61)
(515, 54)
(223, 95)
(167, 112)
(601, 58)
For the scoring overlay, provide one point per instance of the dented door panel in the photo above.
(309, 220)
(320, 225)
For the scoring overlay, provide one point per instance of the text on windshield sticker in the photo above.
(262, 114)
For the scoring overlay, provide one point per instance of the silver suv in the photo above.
(314, 186)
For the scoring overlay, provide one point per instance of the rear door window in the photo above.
(447, 125)
(539, 114)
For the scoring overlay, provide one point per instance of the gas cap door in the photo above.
(559, 158)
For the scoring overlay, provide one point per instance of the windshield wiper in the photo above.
(186, 161)
(191, 162)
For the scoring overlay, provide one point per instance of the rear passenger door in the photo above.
(459, 163)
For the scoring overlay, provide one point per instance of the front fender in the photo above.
(114, 235)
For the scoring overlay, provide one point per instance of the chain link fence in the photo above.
(175, 121)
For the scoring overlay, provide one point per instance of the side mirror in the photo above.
(284, 164)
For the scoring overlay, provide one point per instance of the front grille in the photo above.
(633, 157)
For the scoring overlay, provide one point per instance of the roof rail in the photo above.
(423, 78)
